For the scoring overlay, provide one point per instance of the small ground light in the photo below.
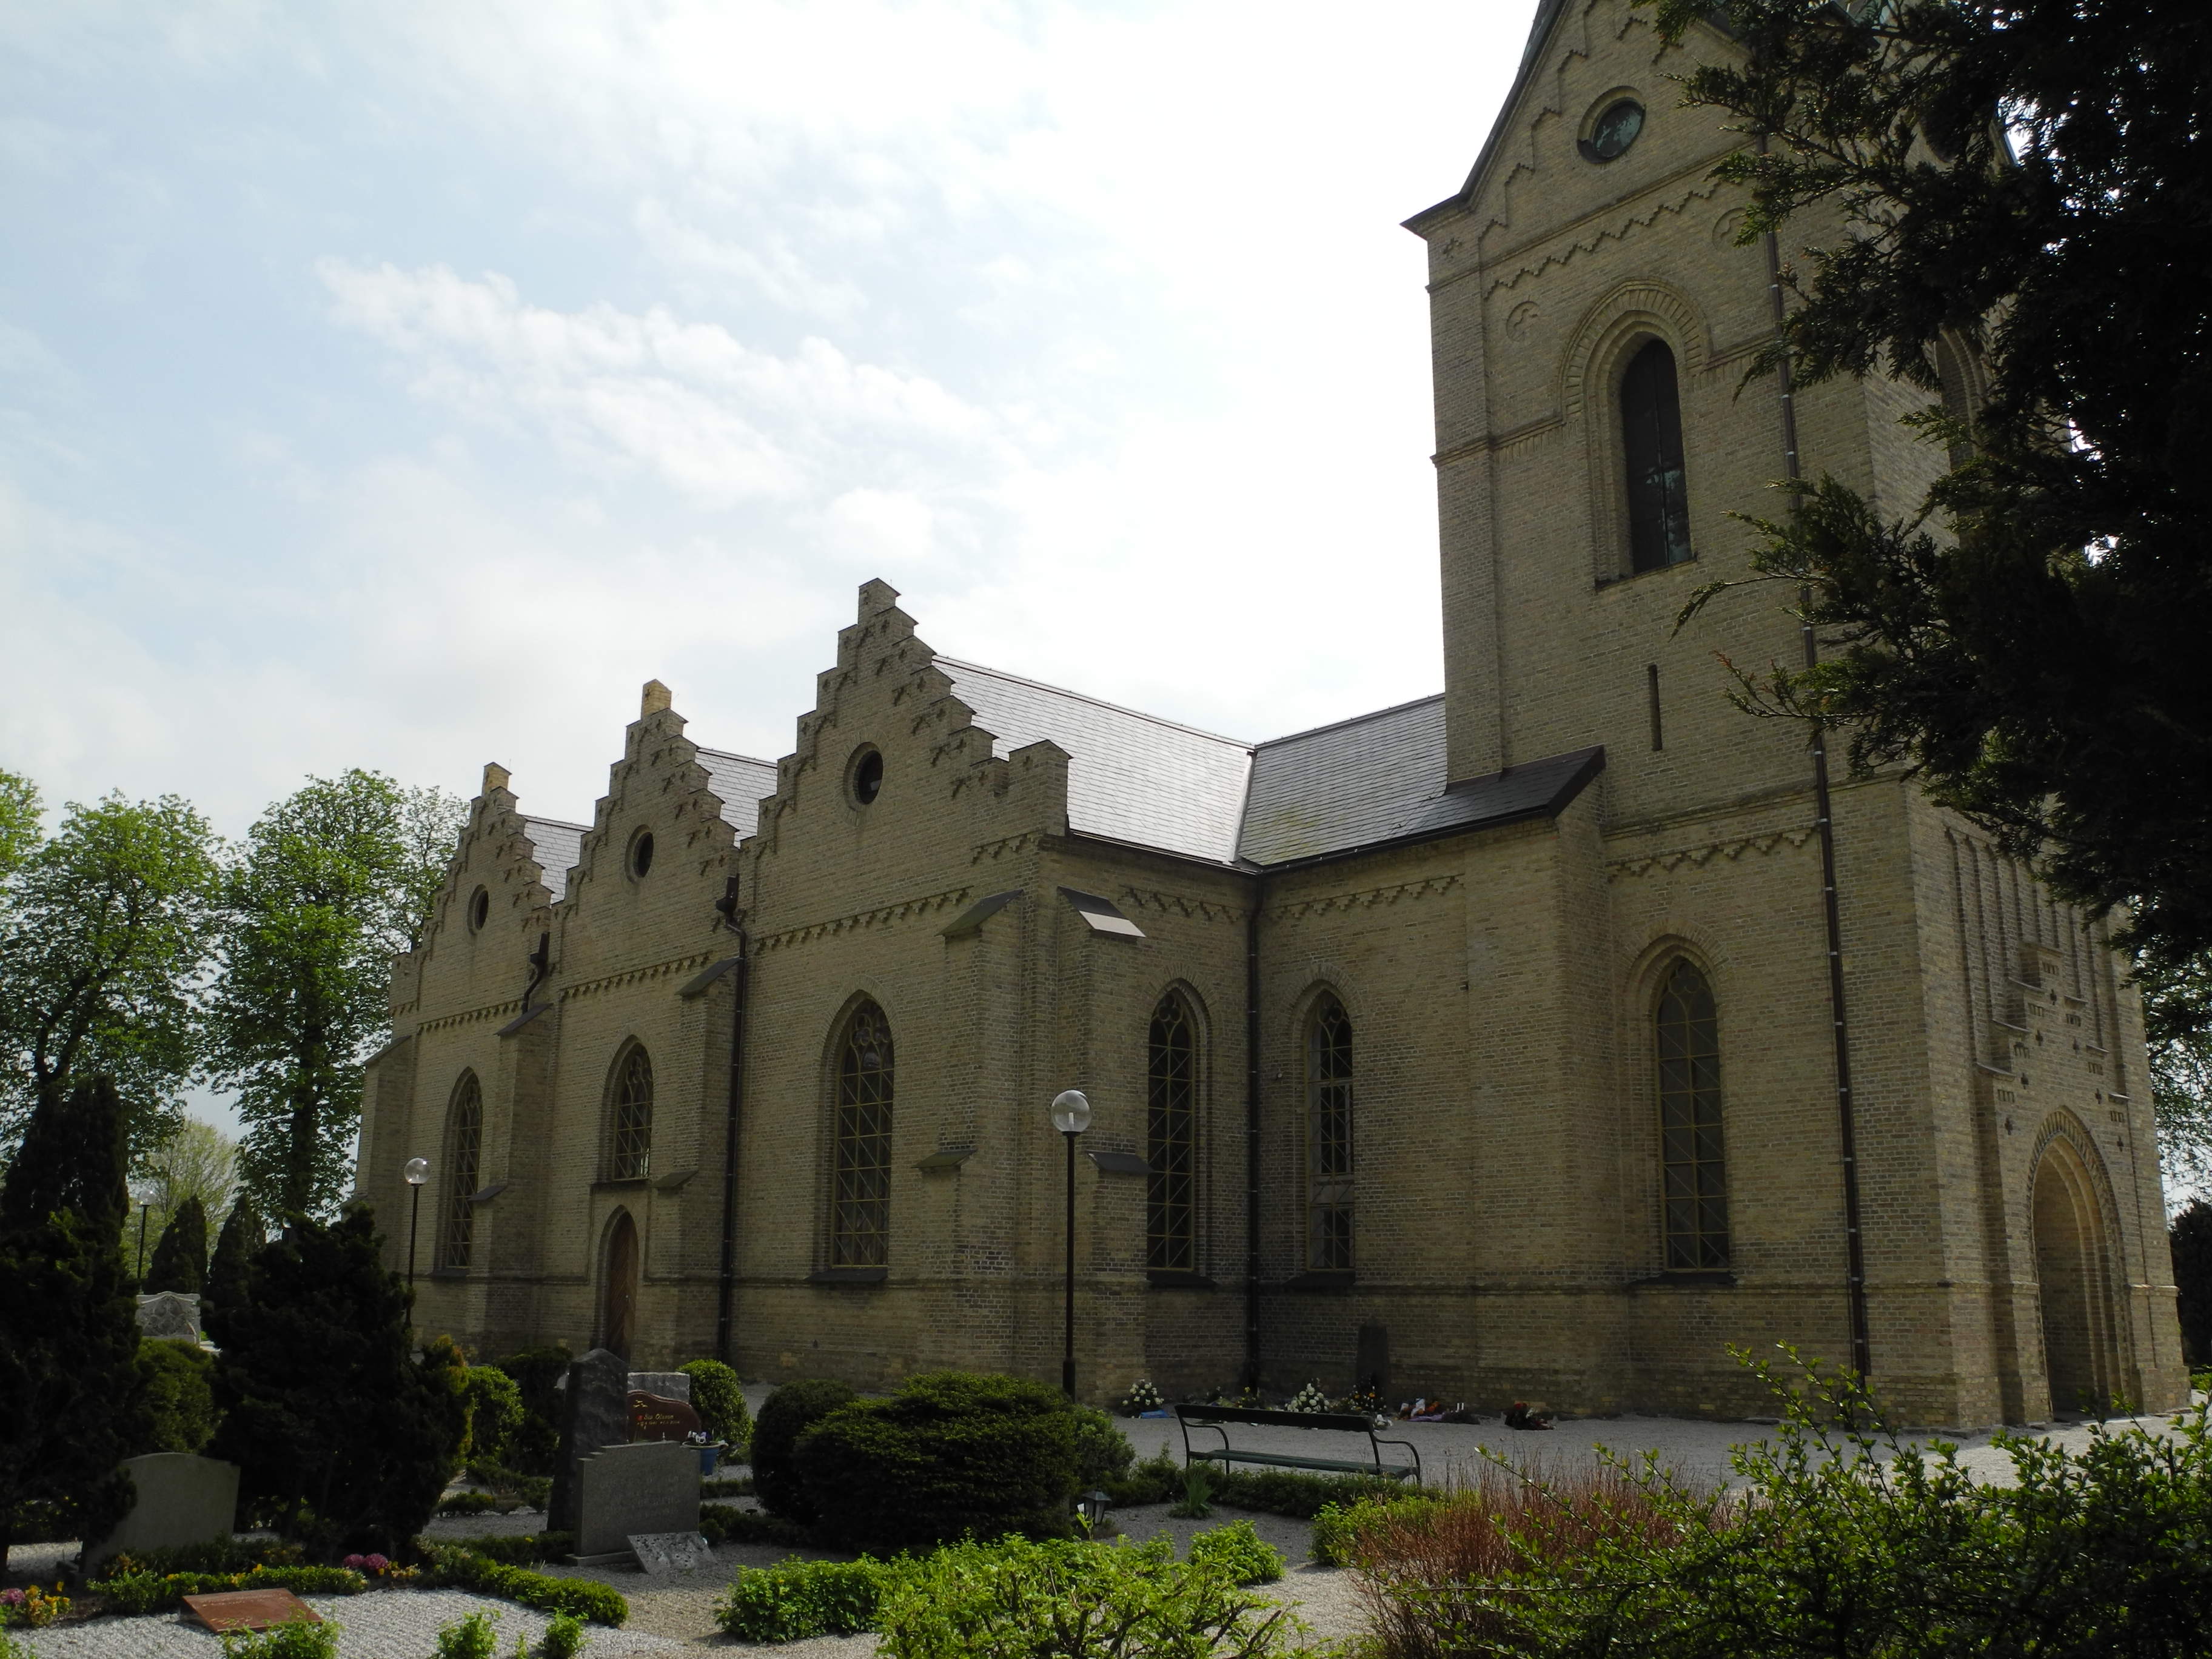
(1094, 1505)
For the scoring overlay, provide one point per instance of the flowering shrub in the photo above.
(32, 1607)
(1309, 1399)
(1141, 1398)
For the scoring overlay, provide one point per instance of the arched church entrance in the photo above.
(618, 1298)
(2070, 1269)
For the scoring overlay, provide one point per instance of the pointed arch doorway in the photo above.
(2079, 1355)
(618, 1280)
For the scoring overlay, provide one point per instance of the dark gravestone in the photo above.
(594, 1415)
(1370, 1369)
(652, 1418)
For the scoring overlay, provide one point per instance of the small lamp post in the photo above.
(1071, 1115)
(144, 1193)
(418, 1171)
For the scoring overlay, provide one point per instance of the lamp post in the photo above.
(1071, 1115)
(418, 1171)
(144, 1192)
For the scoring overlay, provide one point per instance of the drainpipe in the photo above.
(1824, 824)
(1252, 1133)
(741, 977)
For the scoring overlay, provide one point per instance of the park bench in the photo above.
(1217, 1418)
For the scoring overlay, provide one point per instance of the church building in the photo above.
(1535, 1040)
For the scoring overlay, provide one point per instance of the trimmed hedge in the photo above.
(725, 1523)
(951, 1454)
(138, 1593)
(786, 1415)
(584, 1597)
(216, 1555)
(512, 1549)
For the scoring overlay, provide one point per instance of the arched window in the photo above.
(860, 1201)
(1958, 395)
(464, 1153)
(1651, 443)
(1329, 1137)
(630, 1146)
(1171, 1138)
(1694, 1176)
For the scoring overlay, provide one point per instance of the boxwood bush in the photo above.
(951, 1454)
(586, 1598)
(146, 1592)
(179, 1395)
(786, 1415)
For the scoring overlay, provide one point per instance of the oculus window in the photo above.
(1617, 125)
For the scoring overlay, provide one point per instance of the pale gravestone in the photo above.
(182, 1499)
(664, 1554)
(669, 1385)
(594, 1415)
(650, 1487)
(171, 1316)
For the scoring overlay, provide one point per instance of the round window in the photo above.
(867, 776)
(479, 909)
(1615, 128)
(641, 853)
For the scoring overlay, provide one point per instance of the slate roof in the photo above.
(556, 847)
(742, 783)
(1131, 777)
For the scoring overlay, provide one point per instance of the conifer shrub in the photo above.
(721, 1403)
(1102, 1452)
(491, 1407)
(179, 1383)
(534, 1444)
(784, 1416)
(951, 1454)
(179, 1261)
(235, 1246)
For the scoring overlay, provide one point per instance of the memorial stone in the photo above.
(170, 1316)
(650, 1487)
(664, 1554)
(652, 1418)
(669, 1385)
(594, 1415)
(181, 1499)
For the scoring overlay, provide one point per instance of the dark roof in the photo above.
(1131, 777)
(556, 847)
(742, 783)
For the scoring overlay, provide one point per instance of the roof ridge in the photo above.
(1097, 702)
(1349, 719)
(558, 824)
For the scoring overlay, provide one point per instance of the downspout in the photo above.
(1252, 1133)
(1823, 824)
(741, 977)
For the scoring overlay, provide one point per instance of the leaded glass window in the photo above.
(1171, 1138)
(861, 1205)
(630, 1150)
(1651, 442)
(1329, 1138)
(464, 1151)
(1694, 1174)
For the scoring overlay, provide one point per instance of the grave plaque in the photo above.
(174, 1315)
(181, 1499)
(251, 1610)
(652, 1418)
(669, 1385)
(594, 1415)
(664, 1554)
(650, 1487)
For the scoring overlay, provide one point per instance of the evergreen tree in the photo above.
(71, 1396)
(326, 1413)
(235, 1249)
(2191, 1240)
(181, 1257)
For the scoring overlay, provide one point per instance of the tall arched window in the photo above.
(629, 1145)
(464, 1153)
(1694, 1174)
(1329, 1137)
(1651, 443)
(860, 1201)
(1171, 1138)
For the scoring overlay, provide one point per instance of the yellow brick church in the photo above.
(1538, 1039)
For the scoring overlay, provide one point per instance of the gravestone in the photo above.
(664, 1554)
(171, 1316)
(594, 1415)
(669, 1385)
(650, 1487)
(652, 1418)
(182, 1499)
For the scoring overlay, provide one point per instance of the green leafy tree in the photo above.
(199, 1161)
(333, 881)
(331, 1418)
(19, 820)
(181, 1257)
(236, 1247)
(105, 930)
(72, 1397)
(2011, 202)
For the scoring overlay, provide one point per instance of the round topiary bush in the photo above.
(951, 1454)
(721, 1403)
(785, 1415)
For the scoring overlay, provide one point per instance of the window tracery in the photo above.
(629, 1151)
(1329, 1137)
(1693, 1169)
(860, 1224)
(1171, 1138)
